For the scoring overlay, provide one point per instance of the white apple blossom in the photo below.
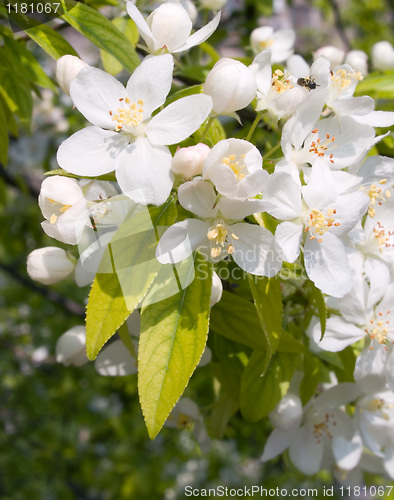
(186, 415)
(252, 247)
(375, 417)
(71, 347)
(275, 92)
(189, 161)
(235, 167)
(318, 72)
(321, 212)
(338, 143)
(231, 85)
(383, 56)
(64, 207)
(67, 68)
(321, 425)
(168, 28)
(49, 265)
(124, 137)
(280, 43)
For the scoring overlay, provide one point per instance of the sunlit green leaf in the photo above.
(127, 26)
(50, 40)
(99, 30)
(173, 337)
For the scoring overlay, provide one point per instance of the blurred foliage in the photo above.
(68, 433)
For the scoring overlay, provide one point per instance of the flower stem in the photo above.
(207, 126)
(271, 151)
(254, 125)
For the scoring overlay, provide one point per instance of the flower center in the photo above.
(321, 428)
(383, 237)
(317, 223)
(378, 328)
(342, 78)
(129, 116)
(218, 237)
(184, 421)
(378, 405)
(237, 166)
(376, 195)
(321, 148)
(266, 44)
(60, 211)
(281, 82)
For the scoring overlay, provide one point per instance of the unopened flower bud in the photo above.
(189, 161)
(231, 85)
(216, 290)
(49, 265)
(287, 412)
(357, 59)
(383, 56)
(70, 348)
(333, 54)
(67, 68)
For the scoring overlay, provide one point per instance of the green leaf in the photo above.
(320, 304)
(3, 136)
(236, 318)
(173, 337)
(99, 30)
(311, 379)
(16, 93)
(125, 274)
(377, 85)
(267, 296)
(26, 64)
(288, 343)
(50, 40)
(223, 410)
(192, 90)
(264, 382)
(106, 312)
(128, 27)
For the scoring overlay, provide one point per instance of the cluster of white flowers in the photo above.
(329, 199)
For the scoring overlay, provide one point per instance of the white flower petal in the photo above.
(370, 371)
(178, 120)
(388, 460)
(377, 119)
(95, 93)
(180, 240)
(239, 209)
(261, 68)
(91, 151)
(289, 236)
(347, 453)
(283, 196)
(255, 250)
(115, 360)
(338, 335)
(305, 451)
(144, 174)
(326, 265)
(198, 197)
(277, 442)
(200, 36)
(321, 191)
(297, 66)
(151, 82)
(171, 25)
(142, 25)
(336, 396)
(379, 278)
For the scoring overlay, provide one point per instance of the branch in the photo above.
(67, 304)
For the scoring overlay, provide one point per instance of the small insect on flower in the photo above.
(307, 82)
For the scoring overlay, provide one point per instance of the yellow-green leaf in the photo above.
(50, 40)
(3, 136)
(126, 272)
(128, 27)
(99, 30)
(173, 337)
